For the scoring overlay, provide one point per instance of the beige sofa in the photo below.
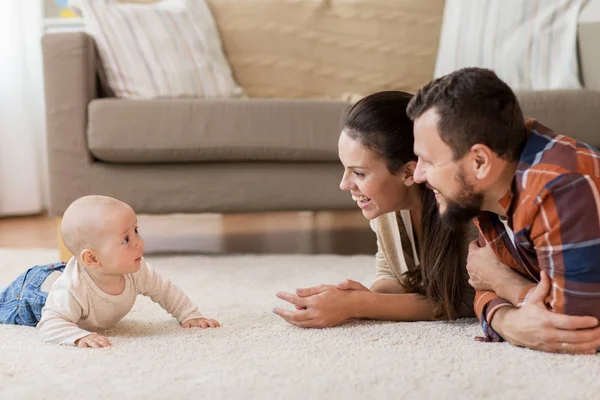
(276, 150)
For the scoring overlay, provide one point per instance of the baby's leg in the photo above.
(21, 303)
(9, 301)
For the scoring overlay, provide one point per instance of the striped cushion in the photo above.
(530, 44)
(169, 48)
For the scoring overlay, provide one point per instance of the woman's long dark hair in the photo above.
(379, 122)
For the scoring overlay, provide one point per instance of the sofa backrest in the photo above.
(326, 48)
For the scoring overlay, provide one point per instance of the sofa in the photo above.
(277, 148)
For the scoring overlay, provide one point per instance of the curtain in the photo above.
(23, 182)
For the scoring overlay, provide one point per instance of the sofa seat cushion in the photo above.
(202, 130)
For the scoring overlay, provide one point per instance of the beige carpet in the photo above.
(255, 355)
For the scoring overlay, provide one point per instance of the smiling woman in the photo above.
(421, 272)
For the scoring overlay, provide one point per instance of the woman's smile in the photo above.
(362, 201)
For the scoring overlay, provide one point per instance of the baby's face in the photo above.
(122, 246)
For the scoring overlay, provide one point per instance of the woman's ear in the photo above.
(89, 258)
(409, 170)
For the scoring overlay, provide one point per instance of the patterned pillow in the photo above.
(168, 48)
(530, 44)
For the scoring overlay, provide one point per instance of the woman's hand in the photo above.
(321, 306)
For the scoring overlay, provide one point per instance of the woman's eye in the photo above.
(137, 230)
(126, 240)
(358, 174)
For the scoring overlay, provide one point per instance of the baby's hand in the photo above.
(94, 340)
(201, 323)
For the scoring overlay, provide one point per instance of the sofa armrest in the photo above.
(70, 83)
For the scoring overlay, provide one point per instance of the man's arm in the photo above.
(488, 273)
(535, 327)
(487, 303)
(566, 235)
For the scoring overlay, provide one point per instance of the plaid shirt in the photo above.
(553, 208)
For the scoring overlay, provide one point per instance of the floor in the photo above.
(336, 232)
(256, 355)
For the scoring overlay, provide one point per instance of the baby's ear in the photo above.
(408, 173)
(89, 258)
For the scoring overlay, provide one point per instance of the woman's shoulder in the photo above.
(388, 222)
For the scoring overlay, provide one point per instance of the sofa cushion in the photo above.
(159, 49)
(575, 113)
(323, 48)
(196, 130)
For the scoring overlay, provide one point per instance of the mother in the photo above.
(421, 272)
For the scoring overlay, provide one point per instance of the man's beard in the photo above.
(466, 207)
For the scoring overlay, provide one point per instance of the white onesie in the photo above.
(76, 306)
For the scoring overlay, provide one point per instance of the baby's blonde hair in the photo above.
(84, 220)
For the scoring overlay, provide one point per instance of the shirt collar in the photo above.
(507, 199)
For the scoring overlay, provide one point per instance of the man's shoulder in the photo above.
(557, 153)
(550, 160)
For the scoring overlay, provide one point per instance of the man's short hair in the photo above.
(474, 106)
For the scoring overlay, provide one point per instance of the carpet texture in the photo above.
(255, 355)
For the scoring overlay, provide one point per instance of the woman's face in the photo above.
(375, 190)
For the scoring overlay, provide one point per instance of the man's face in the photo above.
(450, 179)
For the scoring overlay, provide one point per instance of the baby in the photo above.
(71, 302)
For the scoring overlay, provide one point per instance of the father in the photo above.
(536, 196)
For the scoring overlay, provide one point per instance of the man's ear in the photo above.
(409, 171)
(481, 160)
(89, 258)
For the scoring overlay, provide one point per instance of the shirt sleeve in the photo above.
(162, 291)
(486, 304)
(382, 267)
(59, 319)
(565, 234)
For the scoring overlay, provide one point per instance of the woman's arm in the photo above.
(393, 307)
(326, 305)
(387, 286)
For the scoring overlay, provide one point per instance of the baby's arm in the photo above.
(59, 321)
(170, 297)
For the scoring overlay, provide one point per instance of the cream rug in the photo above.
(255, 355)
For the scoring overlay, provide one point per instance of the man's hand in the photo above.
(535, 327)
(201, 323)
(94, 340)
(321, 306)
(484, 267)
(486, 272)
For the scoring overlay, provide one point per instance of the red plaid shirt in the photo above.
(553, 209)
